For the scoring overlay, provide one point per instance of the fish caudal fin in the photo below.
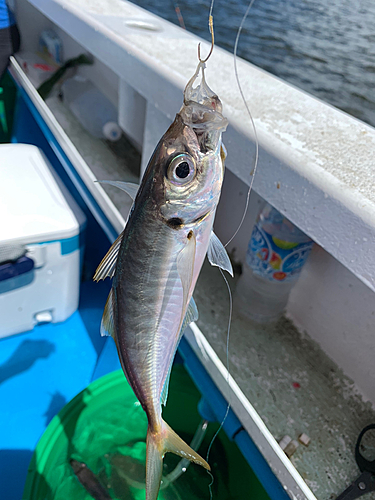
(157, 445)
(174, 444)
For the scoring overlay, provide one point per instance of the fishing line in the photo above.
(228, 374)
(251, 119)
(211, 28)
(243, 215)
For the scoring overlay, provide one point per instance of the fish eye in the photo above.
(181, 169)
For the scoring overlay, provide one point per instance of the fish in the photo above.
(89, 481)
(156, 260)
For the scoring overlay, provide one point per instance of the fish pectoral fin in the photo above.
(129, 187)
(107, 267)
(185, 266)
(107, 328)
(190, 316)
(217, 255)
(157, 445)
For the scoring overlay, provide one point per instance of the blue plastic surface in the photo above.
(260, 467)
(206, 411)
(40, 371)
(108, 360)
(68, 245)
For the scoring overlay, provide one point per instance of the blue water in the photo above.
(325, 48)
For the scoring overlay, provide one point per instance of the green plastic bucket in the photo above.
(8, 94)
(105, 427)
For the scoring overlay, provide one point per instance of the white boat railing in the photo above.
(314, 159)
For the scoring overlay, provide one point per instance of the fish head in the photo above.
(189, 170)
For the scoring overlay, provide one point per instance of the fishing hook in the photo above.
(211, 25)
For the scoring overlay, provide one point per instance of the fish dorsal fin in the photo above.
(107, 267)
(185, 267)
(217, 255)
(190, 316)
(129, 187)
(107, 328)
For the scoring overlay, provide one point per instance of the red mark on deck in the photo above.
(296, 385)
(44, 67)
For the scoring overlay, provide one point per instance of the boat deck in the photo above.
(293, 386)
(103, 162)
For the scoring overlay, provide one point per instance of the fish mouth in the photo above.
(202, 112)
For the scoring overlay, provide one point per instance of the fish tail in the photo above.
(159, 443)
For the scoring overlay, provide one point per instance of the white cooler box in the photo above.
(41, 230)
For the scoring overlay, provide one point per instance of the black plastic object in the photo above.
(12, 269)
(363, 463)
(366, 481)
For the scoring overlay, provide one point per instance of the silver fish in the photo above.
(156, 261)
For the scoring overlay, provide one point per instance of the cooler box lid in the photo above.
(32, 207)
